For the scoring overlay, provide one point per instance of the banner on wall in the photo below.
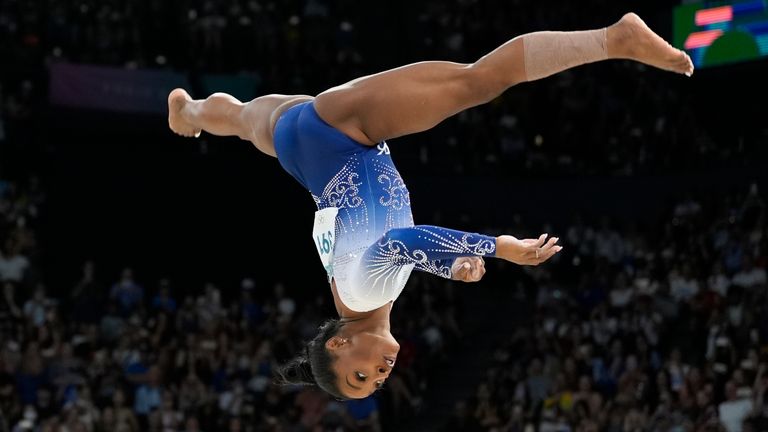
(135, 90)
(113, 89)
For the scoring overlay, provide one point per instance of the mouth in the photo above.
(390, 360)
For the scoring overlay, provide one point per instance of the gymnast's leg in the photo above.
(222, 114)
(417, 97)
(219, 114)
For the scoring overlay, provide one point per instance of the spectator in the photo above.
(163, 300)
(364, 414)
(735, 409)
(148, 395)
(13, 265)
(36, 308)
(750, 277)
(10, 313)
(127, 293)
(166, 418)
(87, 296)
(118, 417)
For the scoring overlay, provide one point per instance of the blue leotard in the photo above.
(377, 245)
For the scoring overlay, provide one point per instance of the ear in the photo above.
(335, 342)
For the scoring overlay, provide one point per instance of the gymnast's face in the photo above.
(363, 362)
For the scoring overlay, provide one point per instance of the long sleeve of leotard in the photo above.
(430, 248)
(440, 268)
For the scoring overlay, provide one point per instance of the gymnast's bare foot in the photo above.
(631, 38)
(177, 101)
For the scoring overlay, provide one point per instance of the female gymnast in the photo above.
(334, 144)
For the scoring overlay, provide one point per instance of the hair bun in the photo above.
(315, 365)
(297, 371)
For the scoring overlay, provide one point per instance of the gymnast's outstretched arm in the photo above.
(446, 252)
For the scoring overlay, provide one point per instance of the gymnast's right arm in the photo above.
(435, 250)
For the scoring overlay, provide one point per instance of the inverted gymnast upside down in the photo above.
(334, 144)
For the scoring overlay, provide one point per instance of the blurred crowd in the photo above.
(121, 354)
(652, 328)
(656, 330)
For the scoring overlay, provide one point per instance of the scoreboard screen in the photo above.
(716, 33)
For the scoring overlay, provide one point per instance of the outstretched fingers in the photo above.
(526, 251)
(540, 250)
(548, 251)
(539, 242)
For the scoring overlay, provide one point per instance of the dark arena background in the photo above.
(153, 283)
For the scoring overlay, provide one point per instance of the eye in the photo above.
(360, 376)
(379, 384)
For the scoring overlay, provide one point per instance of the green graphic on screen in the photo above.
(716, 33)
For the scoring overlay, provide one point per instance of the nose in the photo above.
(384, 370)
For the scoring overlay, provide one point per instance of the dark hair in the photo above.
(315, 365)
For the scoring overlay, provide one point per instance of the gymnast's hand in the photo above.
(527, 251)
(468, 269)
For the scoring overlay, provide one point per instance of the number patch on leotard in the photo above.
(324, 243)
(323, 234)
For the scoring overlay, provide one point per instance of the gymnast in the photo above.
(335, 145)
